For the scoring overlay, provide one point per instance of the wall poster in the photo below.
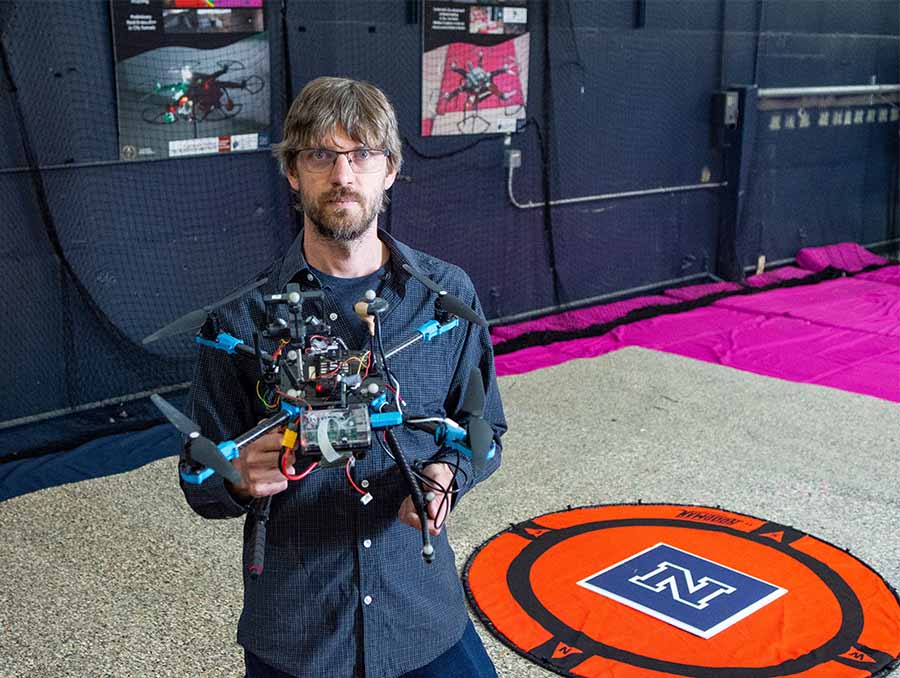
(474, 66)
(192, 77)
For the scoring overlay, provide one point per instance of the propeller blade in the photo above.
(204, 451)
(481, 437)
(194, 320)
(473, 402)
(237, 295)
(480, 433)
(424, 279)
(450, 303)
(191, 322)
(175, 416)
(453, 305)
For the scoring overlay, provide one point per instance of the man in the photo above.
(345, 591)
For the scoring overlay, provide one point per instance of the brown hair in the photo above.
(327, 104)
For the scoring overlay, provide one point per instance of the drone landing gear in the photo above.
(415, 493)
(471, 116)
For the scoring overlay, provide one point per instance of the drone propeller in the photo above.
(449, 303)
(176, 417)
(203, 450)
(481, 435)
(194, 320)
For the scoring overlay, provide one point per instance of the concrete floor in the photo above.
(116, 577)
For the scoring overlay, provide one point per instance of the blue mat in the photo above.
(101, 457)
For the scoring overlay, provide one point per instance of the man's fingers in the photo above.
(437, 507)
(408, 516)
(266, 489)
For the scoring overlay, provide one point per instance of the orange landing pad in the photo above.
(661, 590)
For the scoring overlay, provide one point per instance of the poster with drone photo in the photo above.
(474, 66)
(192, 77)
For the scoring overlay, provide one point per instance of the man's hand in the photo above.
(258, 466)
(437, 508)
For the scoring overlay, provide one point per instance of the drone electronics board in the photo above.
(192, 77)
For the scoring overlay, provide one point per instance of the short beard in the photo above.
(337, 229)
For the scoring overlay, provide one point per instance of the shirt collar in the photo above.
(294, 263)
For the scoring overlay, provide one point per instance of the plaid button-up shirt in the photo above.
(345, 591)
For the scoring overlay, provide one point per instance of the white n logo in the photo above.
(681, 585)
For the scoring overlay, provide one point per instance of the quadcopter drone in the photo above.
(331, 402)
(477, 85)
(199, 97)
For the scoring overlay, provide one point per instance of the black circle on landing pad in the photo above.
(527, 585)
(847, 635)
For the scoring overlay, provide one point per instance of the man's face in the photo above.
(340, 204)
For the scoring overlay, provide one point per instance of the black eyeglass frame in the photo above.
(380, 151)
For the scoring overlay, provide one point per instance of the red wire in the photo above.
(278, 351)
(350, 478)
(299, 476)
(332, 373)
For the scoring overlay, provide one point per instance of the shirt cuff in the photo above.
(464, 479)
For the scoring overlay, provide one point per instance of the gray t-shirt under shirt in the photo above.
(346, 292)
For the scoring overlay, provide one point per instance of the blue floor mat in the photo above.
(101, 457)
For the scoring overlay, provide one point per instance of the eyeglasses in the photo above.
(362, 160)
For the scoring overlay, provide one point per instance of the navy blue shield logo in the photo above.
(689, 592)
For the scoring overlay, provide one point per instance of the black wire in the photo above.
(760, 19)
(449, 154)
(286, 56)
(547, 105)
(578, 62)
(384, 363)
(449, 491)
(430, 483)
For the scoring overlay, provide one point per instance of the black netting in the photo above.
(99, 252)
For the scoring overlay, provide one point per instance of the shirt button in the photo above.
(309, 276)
(365, 483)
(332, 316)
(367, 600)
(367, 543)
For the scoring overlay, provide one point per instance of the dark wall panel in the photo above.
(622, 104)
(791, 60)
(608, 247)
(818, 185)
(862, 17)
(443, 210)
(31, 331)
(61, 56)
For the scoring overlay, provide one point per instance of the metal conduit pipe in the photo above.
(836, 90)
(605, 196)
(43, 416)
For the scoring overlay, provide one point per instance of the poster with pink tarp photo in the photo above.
(474, 67)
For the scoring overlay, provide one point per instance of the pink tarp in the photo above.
(583, 317)
(843, 333)
(778, 275)
(697, 291)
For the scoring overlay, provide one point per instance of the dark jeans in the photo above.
(466, 659)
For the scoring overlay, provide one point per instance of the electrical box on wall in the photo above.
(725, 116)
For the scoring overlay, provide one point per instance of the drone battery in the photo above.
(341, 429)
